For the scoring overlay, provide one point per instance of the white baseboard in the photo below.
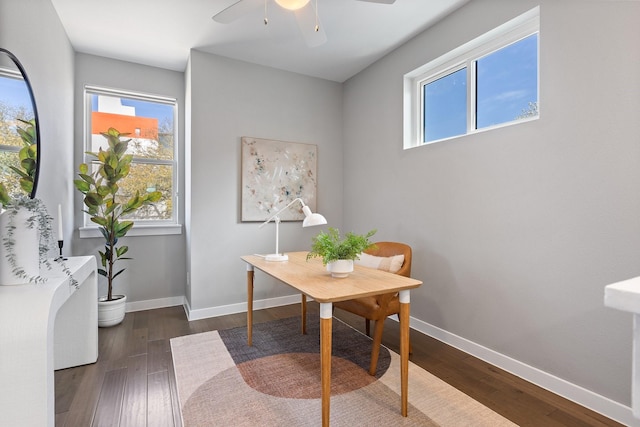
(203, 313)
(605, 406)
(154, 303)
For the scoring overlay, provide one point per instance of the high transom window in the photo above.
(489, 82)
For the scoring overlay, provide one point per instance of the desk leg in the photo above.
(404, 349)
(249, 304)
(326, 311)
(304, 314)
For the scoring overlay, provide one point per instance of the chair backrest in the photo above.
(387, 249)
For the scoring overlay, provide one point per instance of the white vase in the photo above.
(340, 268)
(111, 313)
(25, 248)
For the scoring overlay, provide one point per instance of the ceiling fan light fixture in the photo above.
(292, 4)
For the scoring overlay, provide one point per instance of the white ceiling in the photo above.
(161, 32)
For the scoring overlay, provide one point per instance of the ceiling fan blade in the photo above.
(380, 1)
(306, 18)
(236, 11)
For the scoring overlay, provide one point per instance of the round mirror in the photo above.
(19, 131)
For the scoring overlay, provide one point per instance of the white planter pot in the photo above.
(111, 313)
(340, 268)
(25, 248)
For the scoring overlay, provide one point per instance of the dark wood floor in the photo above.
(132, 384)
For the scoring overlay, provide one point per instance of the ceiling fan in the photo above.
(306, 12)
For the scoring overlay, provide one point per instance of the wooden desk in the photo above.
(312, 280)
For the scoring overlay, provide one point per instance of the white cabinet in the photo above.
(44, 327)
(625, 296)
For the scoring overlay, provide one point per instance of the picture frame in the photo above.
(273, 174)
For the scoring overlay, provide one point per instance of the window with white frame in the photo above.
(489, 82)
(150, 122)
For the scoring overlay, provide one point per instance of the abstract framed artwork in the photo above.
(273, 174)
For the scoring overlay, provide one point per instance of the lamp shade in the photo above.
(292, 4)
(311, 219)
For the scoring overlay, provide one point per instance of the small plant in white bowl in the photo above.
(338, 253)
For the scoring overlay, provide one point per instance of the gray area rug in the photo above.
(276, 382)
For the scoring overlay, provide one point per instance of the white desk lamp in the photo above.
(310, 219)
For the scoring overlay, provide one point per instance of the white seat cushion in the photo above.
(391, 264)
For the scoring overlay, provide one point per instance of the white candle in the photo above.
(60, 236)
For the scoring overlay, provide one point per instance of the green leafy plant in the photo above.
(27, 155)
(38, 217)
(28, 161)
(4, 196)
(103, 203)
(331, 247)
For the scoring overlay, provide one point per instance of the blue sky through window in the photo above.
(156, 110)
(14, 93)
(445, 106)
(506, 83)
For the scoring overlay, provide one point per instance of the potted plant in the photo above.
(109, 209)
(338, 253)
(27, 237)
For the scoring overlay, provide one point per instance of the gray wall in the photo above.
(517, 230)
(158, 271)
(231, 99)
(31, 30)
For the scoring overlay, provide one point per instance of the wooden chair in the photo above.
(379, 307)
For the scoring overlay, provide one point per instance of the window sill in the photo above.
(137, 230)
